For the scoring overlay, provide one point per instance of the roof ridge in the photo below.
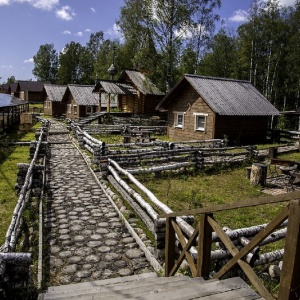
(216, 78)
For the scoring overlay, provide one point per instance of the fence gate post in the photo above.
(290, 276)
(204, 246)
(170, 246)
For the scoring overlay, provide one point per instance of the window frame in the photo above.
(176, 123)
(196, 127)
(88, 107)
(75, 109)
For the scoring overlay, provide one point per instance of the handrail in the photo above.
(290, 278)
(241, 204)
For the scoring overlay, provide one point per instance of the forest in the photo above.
(169, 38)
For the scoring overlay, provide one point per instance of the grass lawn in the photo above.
(9, 157)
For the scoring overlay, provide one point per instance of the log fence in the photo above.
(28, 183)
(114, 164)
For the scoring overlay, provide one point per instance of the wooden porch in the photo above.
(201, 238)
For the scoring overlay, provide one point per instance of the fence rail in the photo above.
(290, 276)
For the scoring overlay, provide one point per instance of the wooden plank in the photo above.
(290, 276)
(246, 268)
(242, 293)
(242, 204)
(170, 247)
(184, 252)
(204, 247)
(254, 241)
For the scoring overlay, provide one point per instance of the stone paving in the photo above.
(85, 238)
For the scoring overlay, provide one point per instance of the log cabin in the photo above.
(135, 92)
(80, 101)
(201, 108)
(53, 95)
(31, 91)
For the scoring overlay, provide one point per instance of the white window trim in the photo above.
(176, 114)
(195, 123)
(69, 109)
(75, 112)
(49, 104)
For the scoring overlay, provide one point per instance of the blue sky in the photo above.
(28, 24)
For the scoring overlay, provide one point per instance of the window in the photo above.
(69, 109)
(49, 104)
(88, 110)
(75, 109)
(200, 121)
(178, 119)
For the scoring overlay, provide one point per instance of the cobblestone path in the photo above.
(85, 239)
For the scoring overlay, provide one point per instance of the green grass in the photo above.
(9, 157)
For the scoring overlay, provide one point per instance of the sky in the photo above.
(25, 25)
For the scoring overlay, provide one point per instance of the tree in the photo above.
(46, 63)
(222, 59)
(76, 65)
(202, 26)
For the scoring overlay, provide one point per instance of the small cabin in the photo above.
(135, 92)
(53, 105)
(31, 91)
(201, 108)
(80, 101)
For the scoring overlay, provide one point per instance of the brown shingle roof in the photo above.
(143, 83)
(32, 86)
(114, 87)
(226, 96)
(55, 92)
(83, 94)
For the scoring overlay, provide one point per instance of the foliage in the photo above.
(46, 63)
(166, 39)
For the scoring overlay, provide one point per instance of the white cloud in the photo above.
(40, 4)
(68, 32)
(88, 30)
(93, 9)
(114, 31)
(65, 13)
(6, 67)
(284, 2)
(4, 2)
(30, 60)
(79, 33)
(239, 16)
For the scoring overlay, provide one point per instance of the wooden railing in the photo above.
(290, 275)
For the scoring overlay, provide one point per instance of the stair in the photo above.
(149, 286)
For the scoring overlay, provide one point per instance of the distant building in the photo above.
(31, 91)
(202, 108)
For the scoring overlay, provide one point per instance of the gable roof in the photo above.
(32, 86)
(228, 97)
(142, 83)
(13, 87)
(114, 87)
(55, 92)
(83, 94)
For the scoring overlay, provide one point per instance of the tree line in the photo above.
(168, 38)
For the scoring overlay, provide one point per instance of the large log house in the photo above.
(202, 108)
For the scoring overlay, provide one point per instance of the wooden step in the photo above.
(149, 286)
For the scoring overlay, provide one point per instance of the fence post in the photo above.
(80, 139)
(170, 246)
(204, 246)
(290, 275)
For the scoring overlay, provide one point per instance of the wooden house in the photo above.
(80, 101)
(136, 93)
(53, 105)
(31, 91)
(202, 108)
